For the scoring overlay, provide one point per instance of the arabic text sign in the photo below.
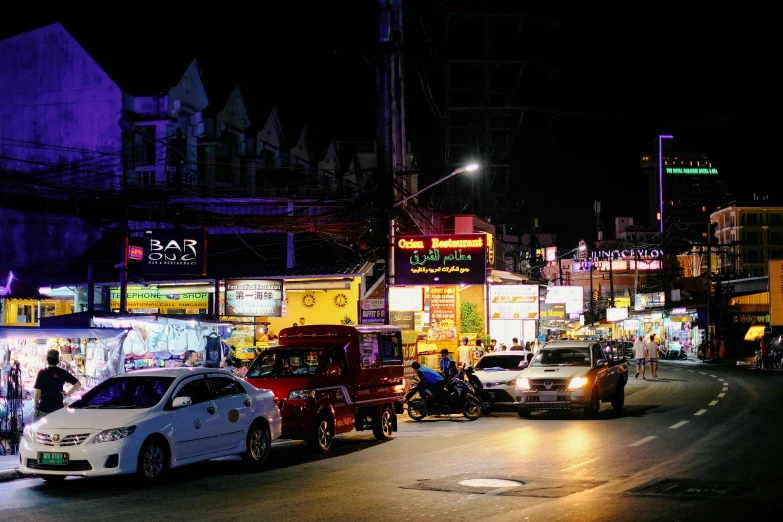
(441, 260)
(254, 297)
(571, 296)
(513, 301)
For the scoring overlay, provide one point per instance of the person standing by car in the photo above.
(49, 394)
(653, 354)
(464, 353)
(640, 354)
(478, 352)
(447, 365)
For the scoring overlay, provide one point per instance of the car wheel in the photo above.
(53, 479)
(618, 399)
(258, 444)
(322, 438)
(595, 404)
(524, 413)
(383, 425)
(153, 461)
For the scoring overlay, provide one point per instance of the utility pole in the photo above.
(636, 277)
(390, 125)
(592, 295)
(709, 290)
(123, 265)
(560, 269)
(611, 280)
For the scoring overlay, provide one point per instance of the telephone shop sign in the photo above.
(175, 252)
(441, 260)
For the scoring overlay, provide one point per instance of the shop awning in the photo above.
(11, 332)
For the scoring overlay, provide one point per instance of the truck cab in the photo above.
(330, 379)
(566, 375)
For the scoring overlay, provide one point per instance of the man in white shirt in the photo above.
(464, 353)
(640, 354)
(652, 356)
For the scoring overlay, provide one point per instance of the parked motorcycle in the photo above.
(477, 388)
(459, 399)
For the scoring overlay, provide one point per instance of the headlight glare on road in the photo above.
(523, 383)
(113, 434)
(576, 383)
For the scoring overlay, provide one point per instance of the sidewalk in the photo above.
(8, 467)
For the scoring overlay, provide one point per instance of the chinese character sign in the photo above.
(254, 297)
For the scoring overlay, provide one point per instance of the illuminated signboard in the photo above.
(441, 260)
(157, 297)
(571, 296)
(553, 311)
(135, 253)
(175, 251)
(627, 254)
(513, 301)
(254, 297)
(692, 171)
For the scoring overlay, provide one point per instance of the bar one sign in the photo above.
(453, 259)
(175, 252)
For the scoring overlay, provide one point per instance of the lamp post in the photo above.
(389, 280)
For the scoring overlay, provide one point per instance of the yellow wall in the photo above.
(324, 311)
(61, 307)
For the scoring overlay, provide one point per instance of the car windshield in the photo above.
(500, 362)
(126, 392)
(562, 357)
(285, 363)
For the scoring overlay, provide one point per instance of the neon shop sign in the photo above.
(627, 254)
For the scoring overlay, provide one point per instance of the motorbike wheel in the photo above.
(416, 409)
(486, 408)
(471, 408)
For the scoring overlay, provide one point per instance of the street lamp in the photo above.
(471, 167)
(467, 168)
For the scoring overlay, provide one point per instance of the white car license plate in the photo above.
(547, 396)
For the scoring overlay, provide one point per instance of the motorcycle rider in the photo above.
(430, 380)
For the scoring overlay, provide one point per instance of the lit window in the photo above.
(703, 234)
(671, 202)
(704, 209)
(658, 216)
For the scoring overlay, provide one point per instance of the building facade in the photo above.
(753, 235)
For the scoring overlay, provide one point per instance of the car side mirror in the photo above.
(181, 402)
(600, 364)
(333, 370)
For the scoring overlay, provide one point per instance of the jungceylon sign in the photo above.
(653, 253)
(441, 260)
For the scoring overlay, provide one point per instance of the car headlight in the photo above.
(300, 395)
(113, 434)
(523, 383)
(576, 383)
(28, 434)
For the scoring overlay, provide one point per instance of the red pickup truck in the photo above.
(330, 379)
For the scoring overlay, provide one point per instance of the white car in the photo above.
(150, 421)
(498, 372)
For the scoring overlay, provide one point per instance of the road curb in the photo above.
(9, 474)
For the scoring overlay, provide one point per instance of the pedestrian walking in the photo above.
(640, 354)
(653, 354)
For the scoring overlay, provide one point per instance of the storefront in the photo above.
(90, 354)
(681, 327)
(159, 341)
(440, 291)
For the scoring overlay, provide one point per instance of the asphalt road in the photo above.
(680, 451)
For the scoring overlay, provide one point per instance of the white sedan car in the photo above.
(150, 421)
(498, 372)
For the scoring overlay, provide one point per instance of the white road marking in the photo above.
(703, 373)
(700, 412)
(678, 425)
(721, 395)
(713, 403)
(580, 464)
(690, 371)
(713, 375)
(721, 380)
(643, 441)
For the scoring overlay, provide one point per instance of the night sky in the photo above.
(623, 76)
